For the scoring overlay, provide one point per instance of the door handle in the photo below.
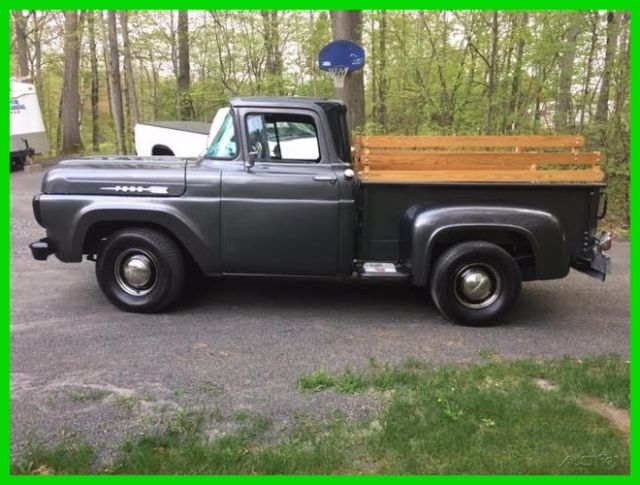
(325, 178)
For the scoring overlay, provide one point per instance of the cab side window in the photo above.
(283, 137)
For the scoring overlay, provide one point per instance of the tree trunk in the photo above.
(114, 81)
(372, 60)
(128, 69)
(563, 115)
(184, 75)
(585, 104)
(516, 85)
(155, 76)
(20, 28)
(493, 67)
(59, 124)
(504, 72)
(71, 141)
(273, 57)
(37, 51)
(95, 87)
(621, 112)
(347, 25)
(602, 109)
(172, 44)
(380, 111)
(622, 83)
(105, 56)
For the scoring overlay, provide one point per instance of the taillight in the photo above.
(605, 240)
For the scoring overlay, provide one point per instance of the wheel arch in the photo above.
(433, 230)
(94, 225)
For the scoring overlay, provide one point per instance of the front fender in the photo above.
(424, 226)
(68, 220)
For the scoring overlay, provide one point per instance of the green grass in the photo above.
(69, 456)
(491, 418)
(603, 376)
(348, 382)
(485, 417)
(315, 381)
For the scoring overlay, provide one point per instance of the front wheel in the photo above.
(141, 270)
(475, 283)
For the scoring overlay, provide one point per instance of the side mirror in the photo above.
(253, 155)
(248, 164)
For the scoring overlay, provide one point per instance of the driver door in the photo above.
(281, 215)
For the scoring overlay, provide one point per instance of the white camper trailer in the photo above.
(28, 135)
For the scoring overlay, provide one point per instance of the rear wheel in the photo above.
(475, 283)
(141, 270)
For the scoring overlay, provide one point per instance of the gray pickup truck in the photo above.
(278, 192)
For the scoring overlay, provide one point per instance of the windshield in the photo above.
(222, 136)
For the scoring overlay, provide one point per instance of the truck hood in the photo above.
(117, 175)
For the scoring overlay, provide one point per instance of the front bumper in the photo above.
(41, 249)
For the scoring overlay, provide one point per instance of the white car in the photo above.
(172, 138)
(286, 140)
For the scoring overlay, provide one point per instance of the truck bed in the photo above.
(527, 158)
(385, 203)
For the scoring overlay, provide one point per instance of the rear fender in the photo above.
(423, 227)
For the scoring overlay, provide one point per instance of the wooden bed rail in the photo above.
(518, 158)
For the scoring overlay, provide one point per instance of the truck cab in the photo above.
(287, 187)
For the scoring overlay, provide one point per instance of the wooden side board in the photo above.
(476, 158)
(485, 176)
(524, 141)
(380, 159)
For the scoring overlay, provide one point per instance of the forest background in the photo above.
(98, 73)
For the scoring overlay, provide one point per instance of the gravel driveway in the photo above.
(77, 363)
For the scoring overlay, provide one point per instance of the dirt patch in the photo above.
(545, 385)
(616, 416)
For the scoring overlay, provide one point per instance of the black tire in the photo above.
(16, 163)
(161, 151)
(486, 269)
(155, 251)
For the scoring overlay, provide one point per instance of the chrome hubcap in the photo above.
(135, 272)
(477, 286)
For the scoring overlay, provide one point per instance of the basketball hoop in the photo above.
(338, 73)
(340, 57)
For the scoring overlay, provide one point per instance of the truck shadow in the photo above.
(300, 292)
(337, 297)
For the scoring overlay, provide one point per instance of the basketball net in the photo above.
(338, 74)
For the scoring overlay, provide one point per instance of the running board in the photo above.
(382, 270)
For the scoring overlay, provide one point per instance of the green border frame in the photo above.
(295, 4)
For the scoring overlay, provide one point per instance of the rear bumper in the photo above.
(41, 249)
(596, 262)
